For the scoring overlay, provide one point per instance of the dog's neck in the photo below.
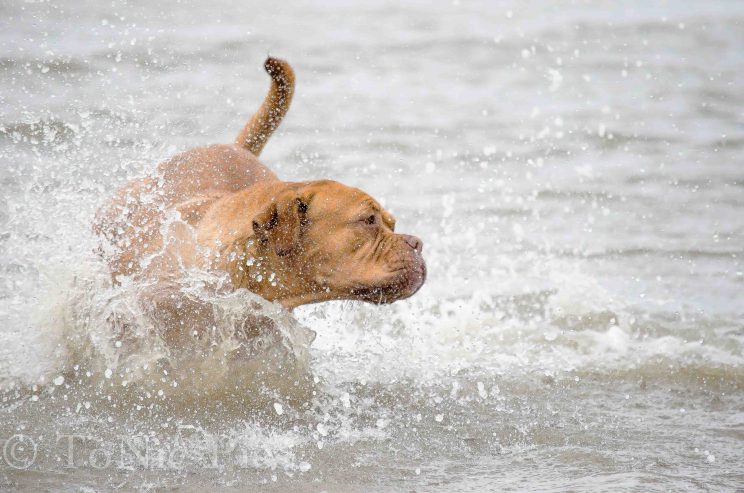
(232, 247)
(249, 266)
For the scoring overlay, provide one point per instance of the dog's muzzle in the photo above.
(407, 273)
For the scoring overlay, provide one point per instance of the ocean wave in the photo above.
(653, 252)
(48, 132)
(105, 340)
(66, 65)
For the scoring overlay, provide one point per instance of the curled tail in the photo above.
(263, 123)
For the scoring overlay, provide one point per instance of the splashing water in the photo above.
(575, 173)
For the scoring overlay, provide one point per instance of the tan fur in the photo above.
(219, 209)
(259, 128)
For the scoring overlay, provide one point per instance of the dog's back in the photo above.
(130, 224)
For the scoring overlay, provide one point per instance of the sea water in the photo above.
(573, 168)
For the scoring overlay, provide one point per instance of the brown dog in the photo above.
(218, 208)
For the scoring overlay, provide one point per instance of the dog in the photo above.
(219, 209)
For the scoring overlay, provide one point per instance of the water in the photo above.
(575, 171)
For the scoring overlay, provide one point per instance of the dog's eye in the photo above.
(370, 220)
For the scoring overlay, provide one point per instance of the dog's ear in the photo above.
(280, 222)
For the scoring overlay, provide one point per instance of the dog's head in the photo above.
(323, 240)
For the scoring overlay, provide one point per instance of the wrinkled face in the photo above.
(341, 244)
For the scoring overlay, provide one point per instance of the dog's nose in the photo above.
(414, 242)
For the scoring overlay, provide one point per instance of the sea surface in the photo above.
(575, 169)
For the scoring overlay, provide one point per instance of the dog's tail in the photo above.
(263, 123)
